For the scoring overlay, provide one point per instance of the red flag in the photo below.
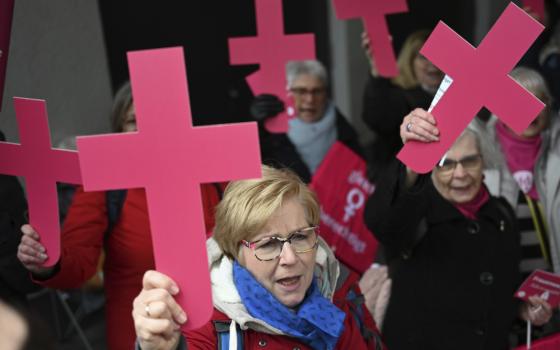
(342, 188)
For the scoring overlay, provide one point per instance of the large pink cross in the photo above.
(480, 78)
(271, 49)
(373, 14)
(171, 158)
(42, 167)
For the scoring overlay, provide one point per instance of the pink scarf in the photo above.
(521, 156)
(471, 208)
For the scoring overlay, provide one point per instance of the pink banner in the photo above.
(541, 284)
(343, 189)
(480, 79)
(171, 158)
(549, 343)
(271, 49)
(42, 167)
(6, 14)
(373, 14)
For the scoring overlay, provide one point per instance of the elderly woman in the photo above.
(316, 127)
(524, 170)
(274, 281)
(455, 248)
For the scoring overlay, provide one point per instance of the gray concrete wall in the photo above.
(349, 70)
(57, 54)
(487, 13)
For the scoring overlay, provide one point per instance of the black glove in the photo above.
(265, 106)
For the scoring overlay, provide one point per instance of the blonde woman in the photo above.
(275, 283)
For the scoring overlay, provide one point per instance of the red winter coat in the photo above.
(206, 338)
(128, 250)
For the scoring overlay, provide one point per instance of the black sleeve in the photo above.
(394, 213)
(279, 152)
(347, 134)
(15, 280)
(384, 106)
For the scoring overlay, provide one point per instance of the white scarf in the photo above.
(313, 140)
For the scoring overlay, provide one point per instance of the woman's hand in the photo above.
(157, 316)
(536, 310)
(32, 253)
(366, 46)
(375, 285)
(419, 125)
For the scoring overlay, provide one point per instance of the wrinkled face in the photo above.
(289, 276)
(537, 126)
(540, 122)
(129, 121)
(459, 182)
(310, 97)
(428, 75)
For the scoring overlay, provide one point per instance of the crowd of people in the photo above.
(455, 244)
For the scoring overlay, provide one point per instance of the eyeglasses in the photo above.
(300, 91)
(270, 248)
(468, 163)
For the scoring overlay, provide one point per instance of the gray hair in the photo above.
(533, 81)
(484, 131)
(478, 140)
(488, 148)
(310, 67)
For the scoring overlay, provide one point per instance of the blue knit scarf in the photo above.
(317, 322)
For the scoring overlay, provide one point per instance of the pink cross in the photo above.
(171, 158)
(272, 49)
(373, 14)
(480, 78)
(42, 167)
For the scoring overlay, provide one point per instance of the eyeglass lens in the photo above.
(301, 241)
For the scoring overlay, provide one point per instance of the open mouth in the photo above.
(289, 282)
(307, 110)
(462, 189)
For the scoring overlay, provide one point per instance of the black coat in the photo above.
(384, 107)
(278, 151)
(14, 278)
(453, 278)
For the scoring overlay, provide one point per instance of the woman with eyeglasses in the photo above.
(317, 124)
(454, 250)
(275, 283)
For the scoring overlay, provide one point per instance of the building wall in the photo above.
(57, 54)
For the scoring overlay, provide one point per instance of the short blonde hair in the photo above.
(247, 206)
(411, 47)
